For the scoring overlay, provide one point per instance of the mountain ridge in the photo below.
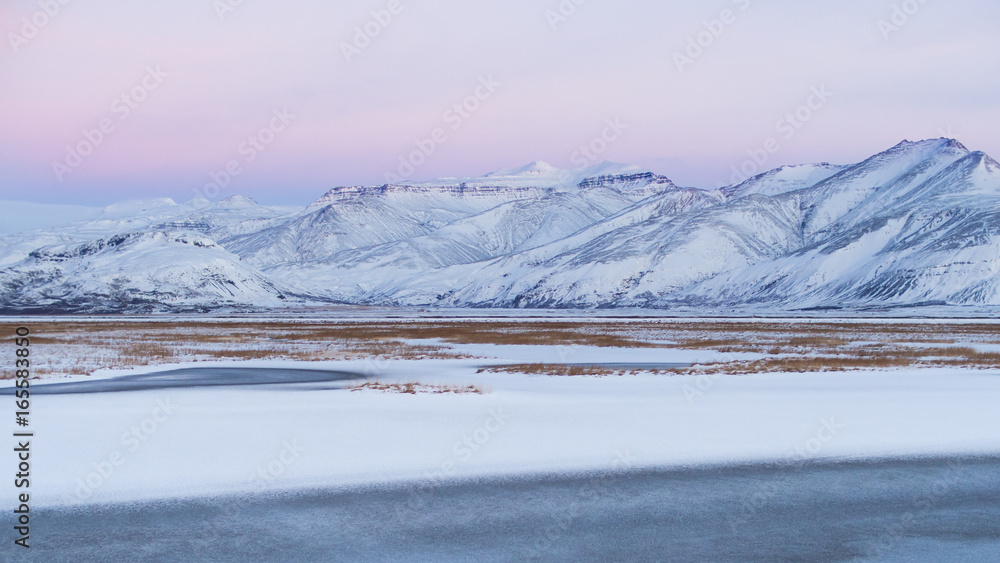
(915, 224)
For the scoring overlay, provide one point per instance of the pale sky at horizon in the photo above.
(555, 86)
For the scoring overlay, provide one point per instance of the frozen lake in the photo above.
(198, 377)
(920, 510)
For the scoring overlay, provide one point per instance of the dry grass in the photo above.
(124, 343)
(564, 370)
(414, 388)
(84, 346)
(552, 369)
(862, 358)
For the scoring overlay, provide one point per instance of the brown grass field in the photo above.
(68, 347)
(415, 388)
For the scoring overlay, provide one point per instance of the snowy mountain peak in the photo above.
(986, 161)
(198, 203)
(925, 146)
(531, 180)
(139, 206)
(912, 225)
(537, 168)
(609, 168)
(238, 202)
(953, 143)
(783, 180)
(648, 182)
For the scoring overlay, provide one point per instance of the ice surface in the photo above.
(218, 440)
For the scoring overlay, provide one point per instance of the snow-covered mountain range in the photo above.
(917, 224)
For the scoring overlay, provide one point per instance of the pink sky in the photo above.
(556, 84)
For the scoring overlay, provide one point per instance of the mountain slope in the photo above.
(916, 224)
(136, 271)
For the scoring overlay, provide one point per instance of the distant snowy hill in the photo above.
(17, 216)
(918, 224)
